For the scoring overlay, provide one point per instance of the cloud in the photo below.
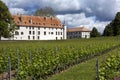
(102, 9)
(80, 20)
(76, 12)
(18, 11)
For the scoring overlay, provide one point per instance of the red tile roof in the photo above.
(39, 21)
(81, 29)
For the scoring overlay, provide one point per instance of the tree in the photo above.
(6, 25)
(113, 29)
(116, 24)
(47, 11)
(108, 31)
(94, 32)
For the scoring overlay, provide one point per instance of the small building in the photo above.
(79, 32)
(38, 28)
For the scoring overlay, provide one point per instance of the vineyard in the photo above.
(37, 60)
(110, 68)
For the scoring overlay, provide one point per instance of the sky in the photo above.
(76, 13)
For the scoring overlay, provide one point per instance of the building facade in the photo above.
(38, 28)
(79, 32)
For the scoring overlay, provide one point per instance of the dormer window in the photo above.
(30, 21)
(20, 18)
(45, 18)
(51, 18)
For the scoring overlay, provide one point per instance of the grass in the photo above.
(82, 71)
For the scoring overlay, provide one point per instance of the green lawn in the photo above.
(82, 71)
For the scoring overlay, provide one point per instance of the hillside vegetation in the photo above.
(41, 59)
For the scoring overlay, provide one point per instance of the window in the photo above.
(51, 18)
(44, 27)
(28, 37)
(33, 32)
(29, 27)
(45, 18)
(38, 28)
(51, 32)
(56, 33)
(61, 33)
(16, 33)
(44, 33)
(30, 21)
(38, 37)
(33, 37)
(22, 33)
(61, 38)
(56, 38)
(32, 27)
(29, 32)
(38, 32)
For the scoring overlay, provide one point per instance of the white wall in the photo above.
(78, 35)
(58, 33)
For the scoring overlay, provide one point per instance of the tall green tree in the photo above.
(113, 29)
(47, 11)
(108, 31)
(116, 24)
(6, 23)
(94, 33)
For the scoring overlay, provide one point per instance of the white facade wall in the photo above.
(85, 34)
(65, 32)
(39, 33)
(71, 35)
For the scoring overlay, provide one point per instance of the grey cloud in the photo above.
(80, 20)
(102, 9)
(76, 12)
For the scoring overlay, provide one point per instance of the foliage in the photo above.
(5, 21)
(47, 11)
(113, 29)
(108, 31)
(111, 67)
(94, 32)
(41, 59)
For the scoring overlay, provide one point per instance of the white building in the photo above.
(79, 32)
(38, 28)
